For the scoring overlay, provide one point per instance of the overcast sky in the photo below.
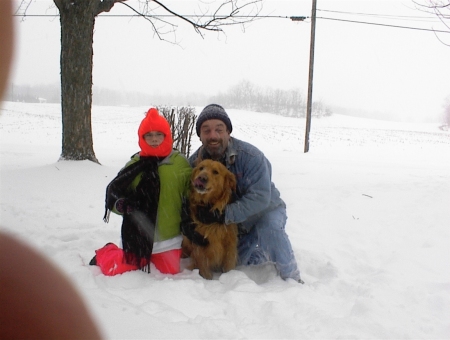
(396, 71)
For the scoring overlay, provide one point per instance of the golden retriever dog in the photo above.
(212, 184)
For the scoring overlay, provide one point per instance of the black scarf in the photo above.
(140, 209)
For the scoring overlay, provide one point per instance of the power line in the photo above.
(294, 18)
(390, 16)
(162, 16)
(386, 25)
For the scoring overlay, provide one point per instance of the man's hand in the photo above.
(188, 230)
(206, 216)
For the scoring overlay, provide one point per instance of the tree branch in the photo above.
(213, 24)
(437, 8)
(105, 6)
(148, 18)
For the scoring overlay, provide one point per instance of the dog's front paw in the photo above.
(206, 273)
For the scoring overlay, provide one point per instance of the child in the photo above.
(148, 192)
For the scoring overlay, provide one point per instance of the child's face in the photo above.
(154, 138)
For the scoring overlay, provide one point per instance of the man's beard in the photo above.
(216, 151)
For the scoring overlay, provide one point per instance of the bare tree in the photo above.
(77, 19)
(182, 122)
(440, 8)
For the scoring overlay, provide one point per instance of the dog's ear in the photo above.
(199, 158)
(194, 174)
(229, 186)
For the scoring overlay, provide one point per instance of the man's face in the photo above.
(214, 137)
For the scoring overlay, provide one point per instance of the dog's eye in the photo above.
(215, 172)
(201, 168)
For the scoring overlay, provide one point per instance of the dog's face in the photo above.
(212, 182)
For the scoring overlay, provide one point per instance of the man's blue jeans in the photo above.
(268, 241)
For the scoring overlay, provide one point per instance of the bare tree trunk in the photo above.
(77, 30)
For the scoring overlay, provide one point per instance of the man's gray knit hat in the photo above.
(213, 111)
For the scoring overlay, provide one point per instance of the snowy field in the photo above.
(368, 218)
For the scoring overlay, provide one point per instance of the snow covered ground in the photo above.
(368, 218)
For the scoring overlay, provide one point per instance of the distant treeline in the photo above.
(49, 93)
(248, 96)
(244, 96)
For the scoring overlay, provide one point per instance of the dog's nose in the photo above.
(203, 178)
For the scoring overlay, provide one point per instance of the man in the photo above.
(258, 210)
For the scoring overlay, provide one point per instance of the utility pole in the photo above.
(310, 78)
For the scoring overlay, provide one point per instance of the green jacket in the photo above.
(174, 175)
